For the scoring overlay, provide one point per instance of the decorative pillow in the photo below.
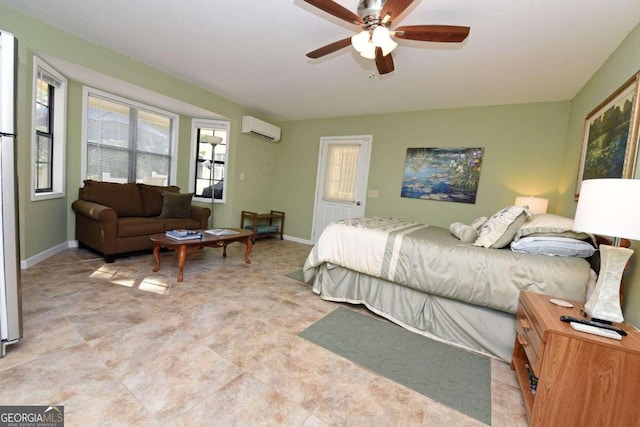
(500, 229)
(553, 246)
(478, 223)
(176, 205)
(152, 198)
(550, 225)
(464, 232)
(123, 198)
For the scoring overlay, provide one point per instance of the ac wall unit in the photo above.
(264, 130)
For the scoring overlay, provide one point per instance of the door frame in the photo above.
(361, 184)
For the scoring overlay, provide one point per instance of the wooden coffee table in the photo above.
(184, 247)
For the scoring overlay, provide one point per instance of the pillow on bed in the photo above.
(478, 223)
(554, 246)
(464, 232)
(550, 225)
(500, 229)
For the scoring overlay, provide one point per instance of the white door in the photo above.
(341, 183)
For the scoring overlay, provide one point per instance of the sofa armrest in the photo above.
(201, 213)
(96, 227)
(95, 211)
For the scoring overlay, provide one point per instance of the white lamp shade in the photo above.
(537, 205)
(380, 35)
(609, 207)
(211, 139)
(360, 40)
(382, 38)
(388, 47)
(369, 51)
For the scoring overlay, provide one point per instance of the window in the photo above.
(49, 119)
(127, 141)
(340, 175)
(210, 142)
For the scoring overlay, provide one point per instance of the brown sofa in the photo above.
(118, 218)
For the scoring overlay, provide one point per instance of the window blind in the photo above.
(340, 172)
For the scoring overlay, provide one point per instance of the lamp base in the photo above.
(604, 303)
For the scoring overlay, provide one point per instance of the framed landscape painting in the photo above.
(447, 174)
(610, 141)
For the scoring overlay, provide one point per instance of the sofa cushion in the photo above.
(152, 198)
(123, 198)
(138, 226)
(176, 205)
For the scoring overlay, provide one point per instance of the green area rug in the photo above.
(296, 275)
(450, 375)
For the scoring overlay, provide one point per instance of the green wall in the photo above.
(50, 223)
(524, 147)
(619, 67)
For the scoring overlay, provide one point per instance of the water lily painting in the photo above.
(446, 174)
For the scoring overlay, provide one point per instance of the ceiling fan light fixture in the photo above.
(388, 47)
(380, 35)
(369, 51)
(376, 40)
(361, 40)
(382, 38)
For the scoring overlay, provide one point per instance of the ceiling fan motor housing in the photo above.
(369, 10)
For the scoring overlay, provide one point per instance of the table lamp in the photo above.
(537, 205)
(609, 207)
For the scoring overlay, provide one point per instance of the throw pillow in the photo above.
(176, 205)
(550, 225)
(554, 246)
(152, 198)
(500, 229)
(464, 232)
(478, 223)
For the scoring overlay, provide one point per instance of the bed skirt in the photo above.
(474, 328)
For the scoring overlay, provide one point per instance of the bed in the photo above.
(432, 282)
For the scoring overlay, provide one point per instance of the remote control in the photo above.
(595, 330)
(593, 323)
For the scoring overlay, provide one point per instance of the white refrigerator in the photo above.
(10, 291)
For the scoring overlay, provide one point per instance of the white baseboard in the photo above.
(30, 262)
(297, 240)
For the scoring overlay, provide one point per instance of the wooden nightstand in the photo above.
(583, 379)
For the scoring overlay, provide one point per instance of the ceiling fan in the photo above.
(375, 17)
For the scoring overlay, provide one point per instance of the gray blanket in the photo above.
(429, 259)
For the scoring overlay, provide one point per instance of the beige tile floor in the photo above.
(119, 345)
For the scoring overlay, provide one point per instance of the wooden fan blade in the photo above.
(394, 8)
(330, 48)
(384, 63)
(433, 33)
(336, 10)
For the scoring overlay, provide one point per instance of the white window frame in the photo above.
(59, 132)
(86, 91)
(208, 123)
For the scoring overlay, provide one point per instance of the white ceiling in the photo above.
(253, 52)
